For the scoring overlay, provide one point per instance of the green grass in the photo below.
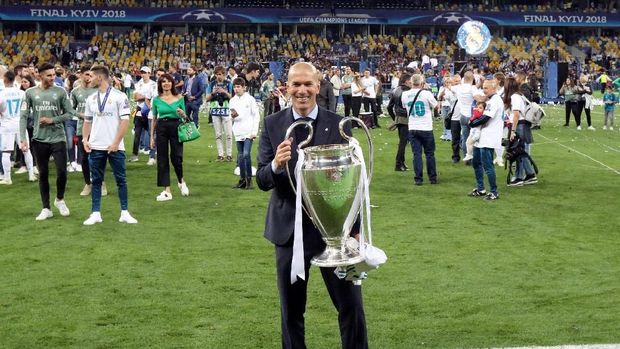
(538, 267)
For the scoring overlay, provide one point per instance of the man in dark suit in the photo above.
(275, 153)
(193, 91)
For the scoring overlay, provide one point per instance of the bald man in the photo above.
(275, 153)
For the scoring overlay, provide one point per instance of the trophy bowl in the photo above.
(330, 184)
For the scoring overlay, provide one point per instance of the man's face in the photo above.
(348, 70)
(239, 90)
(366, 73)
(87, 78)
(232, 72)
(145, 75)
(270, 77)
(47, 77)
(303, 86)
(158, 74)
(489, 87)
(252, 75)
(219, 76)
(191, 71)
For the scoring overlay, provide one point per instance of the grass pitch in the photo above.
(540, 266)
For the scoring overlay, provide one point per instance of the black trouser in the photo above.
(141, 123)
(347, 104)
(379, 101)
(403, 134)
(345, 296)
(577, 109)
(455, 130)
(371, 103)
(84, 163)
(42, 152)
(588, 116)
(568, 108)
(167, 134)
(356, 104)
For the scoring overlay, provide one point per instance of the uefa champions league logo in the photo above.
(452, 17)
(203, 14)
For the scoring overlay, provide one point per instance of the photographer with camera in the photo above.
(219, 93)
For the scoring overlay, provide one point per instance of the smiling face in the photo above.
(166, 85)
(303, 86)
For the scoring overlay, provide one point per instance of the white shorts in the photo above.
(8, 138)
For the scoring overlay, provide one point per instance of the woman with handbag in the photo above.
(168, 110)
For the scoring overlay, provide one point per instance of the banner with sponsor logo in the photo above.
(305, 16)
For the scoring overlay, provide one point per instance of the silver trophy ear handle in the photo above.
(368, 136)
(300, 145)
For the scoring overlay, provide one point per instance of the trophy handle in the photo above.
(370, 146)
(300, 145)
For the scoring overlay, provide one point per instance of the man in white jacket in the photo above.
(244, 112)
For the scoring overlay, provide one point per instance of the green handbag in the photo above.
(187, 131)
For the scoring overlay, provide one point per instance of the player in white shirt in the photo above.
(466, 93)
(369, 95)
(491, 131)
(146, 90)
(420, 104)
(11, 99)
(106, 119)
(244, 111)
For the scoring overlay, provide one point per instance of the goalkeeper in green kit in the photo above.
(50, 107)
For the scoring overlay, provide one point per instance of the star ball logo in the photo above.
(452, 17)
(203, 14)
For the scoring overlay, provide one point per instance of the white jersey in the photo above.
(148, 90)
(11, 99)
(105, 123)
(245, 125)
(517, 104)
(370, 86)
(421, 117)
(491, 132)
(465, 94)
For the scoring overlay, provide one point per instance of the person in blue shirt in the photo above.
(610, 100)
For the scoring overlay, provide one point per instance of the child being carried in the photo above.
(474, 132)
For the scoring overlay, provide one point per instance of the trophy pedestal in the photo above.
(337, 256)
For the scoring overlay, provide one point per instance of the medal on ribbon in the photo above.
(101, 105)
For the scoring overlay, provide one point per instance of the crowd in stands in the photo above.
(386, 52)
(459, 5)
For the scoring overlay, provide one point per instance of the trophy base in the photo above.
(337, 257)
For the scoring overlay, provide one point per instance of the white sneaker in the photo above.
(104, 189)
(6, 181)
(151, 162)
(591, 128)
(468, 157)
(164, 196)
(499, 163)
(32, 178)
(604, 127)
(36, 170)
(184, 189)
(74, 165)
(94, 217)
(127, 218)
(578, 128)
(62, 207)
(78, 168)
(611, 128)
(45, 214)
(21, 170)
(70, 168)
(144, 151)
(88, 188)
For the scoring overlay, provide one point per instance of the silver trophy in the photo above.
(330, 184)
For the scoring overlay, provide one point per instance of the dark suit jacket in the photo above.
(280, 221)
(326, 98)
(196, 90)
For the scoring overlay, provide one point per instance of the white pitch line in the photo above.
(585, 346)
(582, 154)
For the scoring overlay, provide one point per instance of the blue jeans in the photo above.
(244, 159)
(70, 131)
(464, 133)
(483, 163)
(524, 166)
(423, 140)
(192, 110)
(97, 162)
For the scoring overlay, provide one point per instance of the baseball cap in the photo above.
(146, 69)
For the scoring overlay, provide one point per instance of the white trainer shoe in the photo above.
(578, 128)
(151, 162)
(78, 168)
(184, 189)
(21, 170)
(94, 218)
(164, 196)
(32, 178)
(127, 218)
(36, 170)
(6, 181)
(45, 214)
(591, 128)
(604, 127)
(61, 205)
(70, 168)
(88, 188)
(611, 128)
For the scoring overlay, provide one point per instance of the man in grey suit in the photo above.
(275, 153)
